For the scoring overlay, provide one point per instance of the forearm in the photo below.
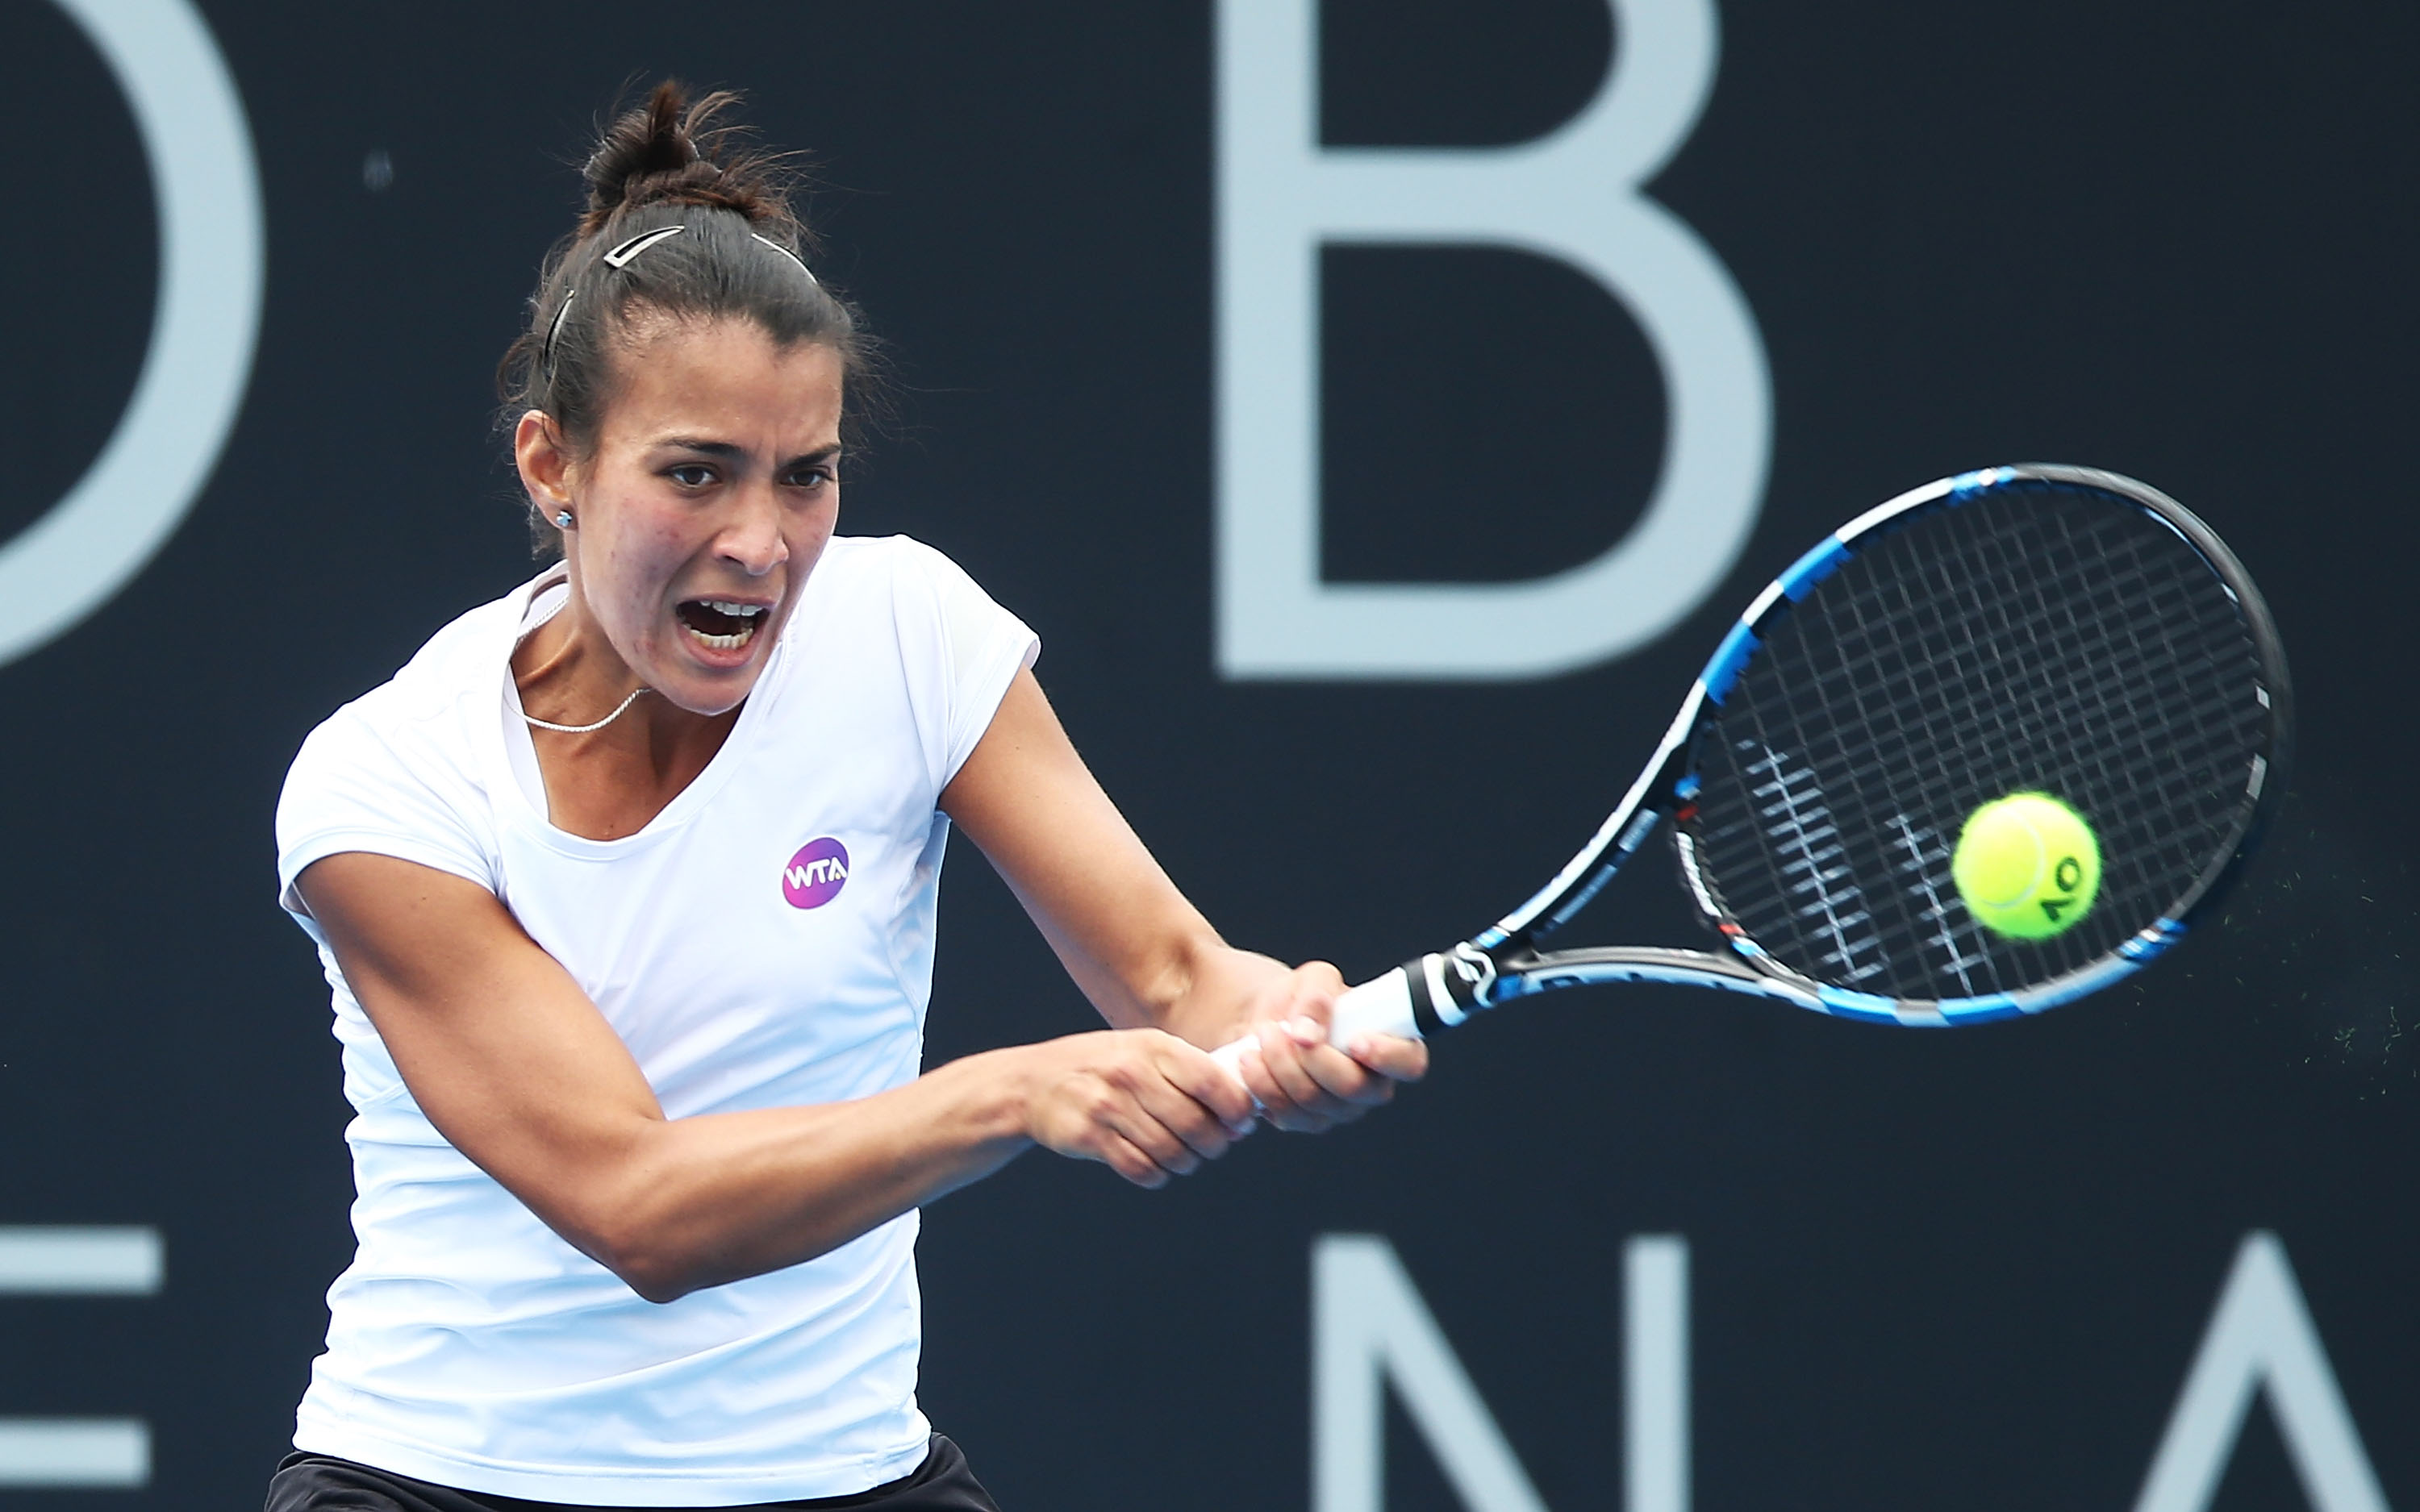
(1138, 949)
(1222, 991)
(1166, 972)
(1132, 942)
(677, 1204)
(1145, 958)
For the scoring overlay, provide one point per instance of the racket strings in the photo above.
(2031, 619)
(2045, 638)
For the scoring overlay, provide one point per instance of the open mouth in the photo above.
(720, 623)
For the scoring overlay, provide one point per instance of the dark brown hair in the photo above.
(741, 253)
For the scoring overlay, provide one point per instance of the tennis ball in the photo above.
(2028, 866)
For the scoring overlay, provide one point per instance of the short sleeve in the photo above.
(983, 648)
(351, 789)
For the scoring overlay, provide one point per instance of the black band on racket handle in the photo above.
(1423, 1000)
(1448, 988)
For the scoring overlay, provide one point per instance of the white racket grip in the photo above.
(1380, 1005)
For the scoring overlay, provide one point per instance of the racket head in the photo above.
(2035, 628)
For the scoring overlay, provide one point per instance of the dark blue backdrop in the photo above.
(1928, 1269)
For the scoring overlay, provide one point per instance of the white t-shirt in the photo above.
(766, 941)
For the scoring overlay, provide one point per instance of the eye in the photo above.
(814, 475)
(690, 475)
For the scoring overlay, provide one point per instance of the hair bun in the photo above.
(670, 151)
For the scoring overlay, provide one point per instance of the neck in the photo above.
(567, 671)
(608, 783)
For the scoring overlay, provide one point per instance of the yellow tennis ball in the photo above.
(2028, 866)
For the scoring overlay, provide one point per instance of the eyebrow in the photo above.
(733, 451)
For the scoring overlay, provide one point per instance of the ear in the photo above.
(545, 464)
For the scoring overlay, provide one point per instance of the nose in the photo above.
(751, 540)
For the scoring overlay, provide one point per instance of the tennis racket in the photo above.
(2038, 629)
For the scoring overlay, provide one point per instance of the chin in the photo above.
(710, 695)
(689, 683)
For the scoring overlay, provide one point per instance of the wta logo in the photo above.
(815, 876)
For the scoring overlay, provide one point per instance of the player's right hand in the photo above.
(1144, 1104)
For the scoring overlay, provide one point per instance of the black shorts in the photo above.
(321, 1483)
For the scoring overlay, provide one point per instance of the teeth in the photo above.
(745, 611)
(724, 642)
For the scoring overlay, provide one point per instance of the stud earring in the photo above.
(563, 519)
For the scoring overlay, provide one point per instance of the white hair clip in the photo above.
(792, 256)
(618, 259)
(621, 256)
(546, 353)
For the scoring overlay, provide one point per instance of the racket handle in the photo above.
(1382, 1006)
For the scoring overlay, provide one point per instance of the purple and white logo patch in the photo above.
(816, 874)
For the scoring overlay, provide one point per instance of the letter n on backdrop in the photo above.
(1370, 1329)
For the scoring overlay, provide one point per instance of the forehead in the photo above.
(727, 377)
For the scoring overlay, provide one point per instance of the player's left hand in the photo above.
(1305, 1083)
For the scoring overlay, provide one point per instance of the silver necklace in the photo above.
(584, 728)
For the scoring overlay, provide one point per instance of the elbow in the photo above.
(659, 1289)
(649, 1267)
(662, 1264)
(634, 1217)
(643, 1255)
(649, 1270)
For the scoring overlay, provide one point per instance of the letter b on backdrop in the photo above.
(1573, 196)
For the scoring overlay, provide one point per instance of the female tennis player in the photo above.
(625, 887)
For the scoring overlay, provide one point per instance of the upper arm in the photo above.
(1122, 928)
(500, 1047)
